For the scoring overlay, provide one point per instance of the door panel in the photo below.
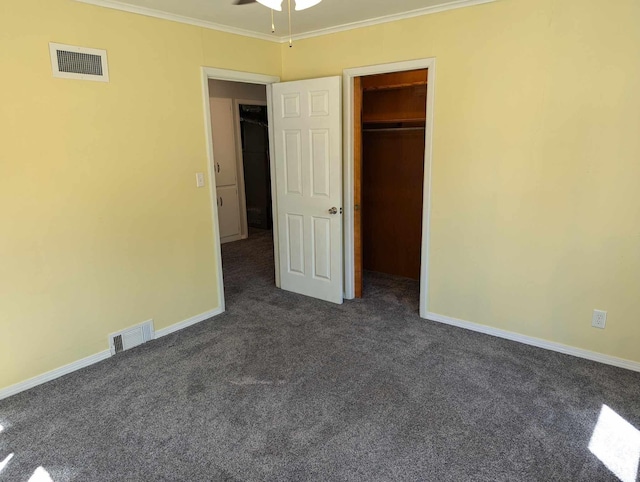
(224, 142)
(322, 248)
(295, 243)
(308, 165)
(292, 157)
(320, 162)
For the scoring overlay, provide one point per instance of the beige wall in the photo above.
(535, 218)
(237, 90)
(101, 224)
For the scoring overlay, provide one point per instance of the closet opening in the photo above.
(389, 162)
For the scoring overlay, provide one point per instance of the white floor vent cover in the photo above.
(131, 337)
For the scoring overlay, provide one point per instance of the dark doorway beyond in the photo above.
(255, 155)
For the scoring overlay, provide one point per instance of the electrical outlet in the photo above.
(599, 319)
(199, 179)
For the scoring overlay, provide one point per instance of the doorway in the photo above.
(390, 169)
(213, 74)
(306, 243)
(290, 102)
(240, 139)
(354, 94)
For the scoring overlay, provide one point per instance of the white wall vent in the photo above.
(69, 62)
(131, 337)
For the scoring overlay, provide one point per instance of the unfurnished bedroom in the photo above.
(318, 240)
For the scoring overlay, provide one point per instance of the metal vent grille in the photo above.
(70, 62)
(117, 344)
(79, 63)
(131, 337)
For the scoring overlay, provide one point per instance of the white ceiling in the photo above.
(255, 20)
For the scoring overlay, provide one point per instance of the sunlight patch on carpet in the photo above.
(5, 462)
(40, 475)
(617, 444)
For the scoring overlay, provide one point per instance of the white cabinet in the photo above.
(224, 141)
(223, 133)
(228, 213)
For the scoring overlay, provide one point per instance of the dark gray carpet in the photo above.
(283, 387)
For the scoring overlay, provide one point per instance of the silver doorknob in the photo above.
(333, 211)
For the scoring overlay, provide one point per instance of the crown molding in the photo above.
(151, 12)
(388, 18)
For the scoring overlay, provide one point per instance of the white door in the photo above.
(308, 164)
(224, 141)
(228, 213)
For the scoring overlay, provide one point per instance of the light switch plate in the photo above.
(199, 179)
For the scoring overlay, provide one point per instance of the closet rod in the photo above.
(394, 129)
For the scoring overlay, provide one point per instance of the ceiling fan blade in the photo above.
(244, 2)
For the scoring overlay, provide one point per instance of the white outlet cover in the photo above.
(599, 319)
(199, 179)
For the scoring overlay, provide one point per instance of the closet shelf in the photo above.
(395, 80)
(385, 124)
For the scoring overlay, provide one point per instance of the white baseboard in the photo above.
(538, 342)
(53, 374)
(90, 360)
(189, 322)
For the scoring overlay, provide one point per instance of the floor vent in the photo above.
(131, 337)
(70, 62)
(117, 344)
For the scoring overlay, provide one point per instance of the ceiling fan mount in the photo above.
(277, 4)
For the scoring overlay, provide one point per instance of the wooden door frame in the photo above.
(211, 73)
(358, 97)
(349, 177)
